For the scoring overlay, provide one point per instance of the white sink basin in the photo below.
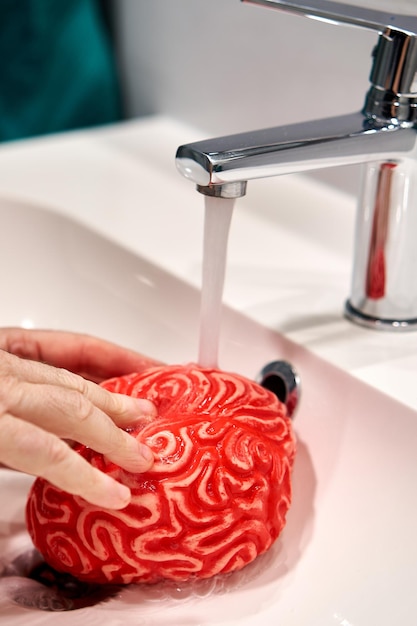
(348, 555)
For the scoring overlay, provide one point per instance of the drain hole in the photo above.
(276, 384)
(282, 379)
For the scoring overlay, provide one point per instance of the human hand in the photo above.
(41, 404)
(90, 357)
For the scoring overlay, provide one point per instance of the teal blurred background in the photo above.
(57, 67)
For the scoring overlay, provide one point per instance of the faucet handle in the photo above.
(393, 93)
(330, 11)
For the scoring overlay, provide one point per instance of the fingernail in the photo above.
(109, 493)
(145, 406)
(146, 453)
(119, 496)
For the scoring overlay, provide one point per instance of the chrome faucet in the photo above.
(382, 136)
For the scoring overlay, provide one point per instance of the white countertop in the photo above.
(290, 247)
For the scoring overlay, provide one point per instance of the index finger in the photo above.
(39, 453)
(123, 410)
(71, 415)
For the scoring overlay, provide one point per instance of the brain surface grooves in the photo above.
(215, 499)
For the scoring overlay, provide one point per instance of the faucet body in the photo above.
(383, 137)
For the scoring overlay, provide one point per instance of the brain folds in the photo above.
(216, 497)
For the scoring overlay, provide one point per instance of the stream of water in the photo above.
(218, 215)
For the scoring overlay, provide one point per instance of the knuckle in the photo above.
(8, 384)
(9, 389)
(6, 362)
(71, 381)
(114, 403)
(23, 344)
(56, 453)
(83, 407)
(81, 384)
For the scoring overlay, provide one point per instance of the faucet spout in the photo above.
(383, 137)
(342, 140)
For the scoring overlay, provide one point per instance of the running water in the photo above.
(218, 214)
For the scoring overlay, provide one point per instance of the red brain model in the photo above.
(216, 497)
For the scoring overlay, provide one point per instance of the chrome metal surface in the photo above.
(340, 13)
(228, 190)
(282, 379)
(330, 142)
(369, 321)
(382, 136)
(384, 285)
(393, 88)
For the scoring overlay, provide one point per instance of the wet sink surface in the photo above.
(348, 555)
